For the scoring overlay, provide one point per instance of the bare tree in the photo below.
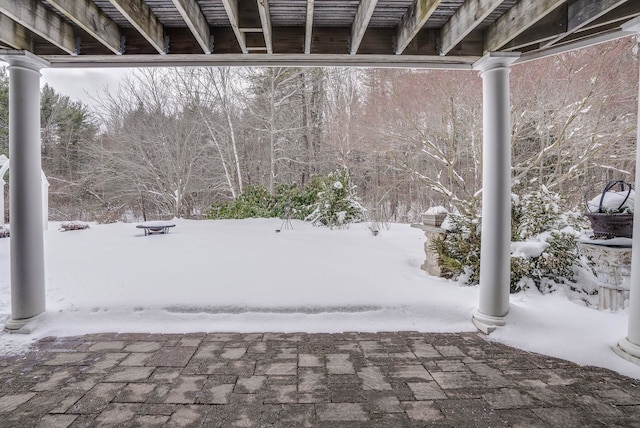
(155, 154)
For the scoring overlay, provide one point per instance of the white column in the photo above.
(45, 201)
(2, 184)
(4, 166)
(629, 347)
(27, 241)
(495, 247)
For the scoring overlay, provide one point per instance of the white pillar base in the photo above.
(487, 323)
(23, 326)
(627, 350)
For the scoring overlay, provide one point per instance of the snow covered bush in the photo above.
(337, 204)
(459, 250)
(255, 201)
(73, 225)
(544, 250)
(326, 200)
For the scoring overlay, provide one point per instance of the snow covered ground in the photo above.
(242, 276)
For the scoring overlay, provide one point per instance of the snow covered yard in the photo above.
(240, 275)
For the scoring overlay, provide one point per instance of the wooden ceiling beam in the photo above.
(360, 23)
(625, 12)
(35, 17)
(14, 35)
(197, 23)
(516, 21)
(144, 20)
(464, 21)
(231, 7)
(541, 32)
(86, 15)
(413, 21)
(308, 27)
(265, 19)
(583, 12)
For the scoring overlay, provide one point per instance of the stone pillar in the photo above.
(27, 243)
(495, 248)
(629, 347)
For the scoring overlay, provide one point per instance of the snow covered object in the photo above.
(544, 252)
(611, 212)
(434, 216)
(337, 204)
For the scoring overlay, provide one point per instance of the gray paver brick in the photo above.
(105, 362)
(341, 412)
(423, 411)
(426, 391)
(135, 393)
(249, 385)
(143, 347)
(67, 358)
(97, 398)
(150, 420)
(508, 399)
(8, 403)
(277, 368)
(339, 364)
(117, 414)
(413, 371)
(129, 374)
(187, 416)
(281, 394)
(213, 393)
(173, 356)
(187, 390)
(136, 359)
(111, 345)
(233, 353)
(54, 381)
(309, 360)
(373, 379)
(56, 421)
(310, 381)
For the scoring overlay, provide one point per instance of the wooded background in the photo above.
(170, 142)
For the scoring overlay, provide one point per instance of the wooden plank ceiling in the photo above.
(437, 33)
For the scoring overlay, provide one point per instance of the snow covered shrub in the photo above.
(298, 202)
(337, 203)
(544, 250)
(255, 201)
(459, 250)
(325, 200)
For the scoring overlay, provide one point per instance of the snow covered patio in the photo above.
(241, 276)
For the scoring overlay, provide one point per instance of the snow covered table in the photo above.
(155, 227)
(612, 258)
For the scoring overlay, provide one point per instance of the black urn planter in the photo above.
(609, 222)
(607, 225)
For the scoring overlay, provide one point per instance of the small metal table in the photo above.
(155, 227)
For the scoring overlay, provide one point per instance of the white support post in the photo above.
(629, 347)
(2, 184)
(45, 201)
(4, 166)
(27, 241)
(495, 247)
